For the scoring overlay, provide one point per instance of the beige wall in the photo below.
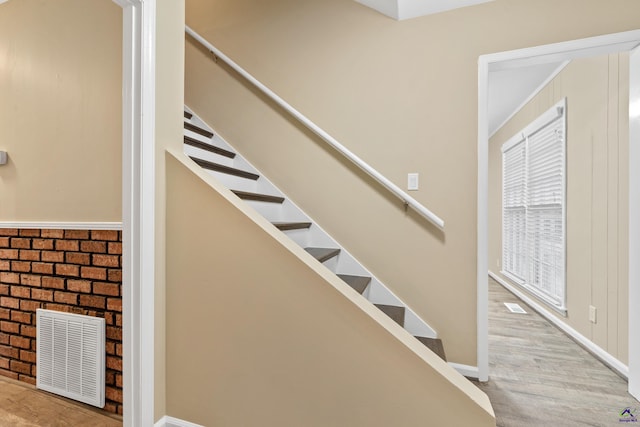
(169, 113)
(597, 92)
(276, 344)
(61, 110)
(402, 95)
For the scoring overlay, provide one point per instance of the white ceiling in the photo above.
(510, 89)
(407, 9)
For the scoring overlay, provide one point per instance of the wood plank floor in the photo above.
(540, 377)
(22, 405)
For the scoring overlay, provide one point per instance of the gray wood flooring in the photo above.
(540, 377)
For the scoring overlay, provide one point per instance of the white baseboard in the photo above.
(466, 370)
(174, 422)
(585, 342)
(59, 225)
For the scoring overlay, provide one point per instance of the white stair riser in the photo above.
(195, 135)
(235, 182)
(331, 264)
(242, 164)
(195, 120)
(285, 211)
(378, 294)
(207, 155)
(415, 326)
(301, 237)
(271, 211)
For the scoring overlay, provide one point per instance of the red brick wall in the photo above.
(75, 271)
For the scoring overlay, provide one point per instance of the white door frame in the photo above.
(552, 53)
(138, 209)
(634, 225)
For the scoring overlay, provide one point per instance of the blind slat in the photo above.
(533, 209)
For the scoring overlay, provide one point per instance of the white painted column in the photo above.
(138, 215)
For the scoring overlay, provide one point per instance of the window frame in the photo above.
(556, 112)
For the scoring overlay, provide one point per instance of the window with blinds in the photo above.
(533, 206)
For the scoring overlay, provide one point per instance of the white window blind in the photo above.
(514, 211)
(533, 244)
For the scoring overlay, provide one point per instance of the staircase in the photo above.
(215, 155)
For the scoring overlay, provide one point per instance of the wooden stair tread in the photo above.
(284, 226)
(208, 147)
(396, 313)
(359, 283)
(198, 129)
(225, 169)
(187, 115)
(323, 254)
(435, 345)
(245, 195)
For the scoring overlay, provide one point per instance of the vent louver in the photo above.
(70, 356)
(515, 308)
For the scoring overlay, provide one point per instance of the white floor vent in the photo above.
(70, 356)
(515, 308)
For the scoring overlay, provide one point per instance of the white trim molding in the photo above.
(138, 209)
(482, 225)
(585, 342)
(63, 225)
(174, 422)
(467, 370)
(634, 223)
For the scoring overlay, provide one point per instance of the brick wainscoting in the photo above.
(76, 271)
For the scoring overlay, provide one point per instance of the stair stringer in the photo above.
(315, 236)
(439, 387)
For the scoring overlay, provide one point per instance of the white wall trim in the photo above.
(634, 226)
(131, 42)
(174, 422)
(549, 53)
(467, 370)
(138, 209)
(557, 52)
(145, 305)
(63, 225)
(482, 294)
(585, 342)
(145, 168)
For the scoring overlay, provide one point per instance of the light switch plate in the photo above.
(3, 157)
(412, 181)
